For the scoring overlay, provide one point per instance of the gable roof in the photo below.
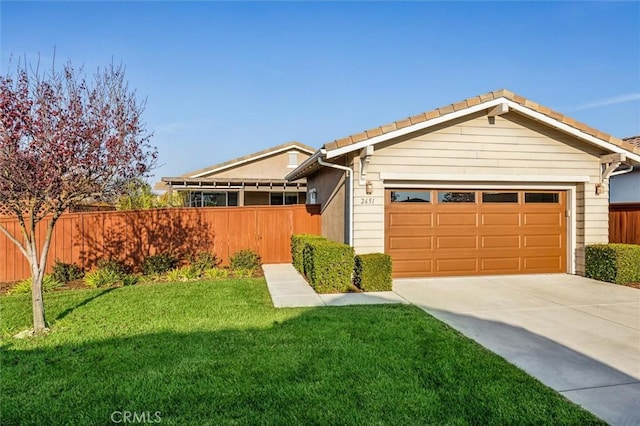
(455, 110)
(633, 140)
(248, 158)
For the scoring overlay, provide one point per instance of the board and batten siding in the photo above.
(511, 145)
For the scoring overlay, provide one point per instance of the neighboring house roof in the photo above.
(247, 158)
(633, 140)
(468, 106)
(207, 176)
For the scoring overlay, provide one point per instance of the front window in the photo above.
(212, 199)
(283, 198)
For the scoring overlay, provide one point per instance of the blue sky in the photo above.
(224, 79)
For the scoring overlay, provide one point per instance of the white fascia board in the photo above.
(414, 128)
(481, 178)
(480, 107)
(572, 131)
(257, 157)
(306, 163)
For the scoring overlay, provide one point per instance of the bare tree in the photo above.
(65, 138)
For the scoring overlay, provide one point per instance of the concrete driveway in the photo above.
(578, 336)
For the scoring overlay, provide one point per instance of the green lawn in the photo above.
(219, 353)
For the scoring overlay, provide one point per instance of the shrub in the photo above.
(328, 265)
(297, 249)
(185, 273)
(114, 266)
(109, 273)
(243, 273)
(615, 263)
(216, 273)
(204, 261)
(49, 283)
(245, 259)
(159, 263)
(65, 272)
(130, 279)
(103, 278)
(372, 272)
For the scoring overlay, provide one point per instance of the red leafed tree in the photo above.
(65, 138)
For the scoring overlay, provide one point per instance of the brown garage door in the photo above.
(435, 232)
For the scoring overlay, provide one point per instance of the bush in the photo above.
(216, 273)
(297, 248)
(114, 266)
(159, 263)
(65, 272)
(49, 283)
(372, 272)
(245, 259)
(109, 273)
(186, 273)
(328, 265)
(615, 263)
(204, 261)
(102, 278)
(243, 273)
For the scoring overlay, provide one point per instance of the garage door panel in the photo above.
(410, 219)
(457, 242)
(500, 242)
(410, 231)
(457, 266)
(412, 254)
(417, 266)
(500, 219)
(500, 265)
(546, 218)
(460, 238)
(412, 243)
(543, 241)
(543, 264)
(456, 219)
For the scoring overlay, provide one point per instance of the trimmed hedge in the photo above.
(328, 265)
(373, 272)
(615, 263)
(297, 246)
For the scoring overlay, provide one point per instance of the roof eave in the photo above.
(302, 170)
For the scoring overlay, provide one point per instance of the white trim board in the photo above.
(427, 177)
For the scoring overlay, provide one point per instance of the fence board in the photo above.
(84, 238)
(624, 223)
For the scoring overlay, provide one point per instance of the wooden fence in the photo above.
(624, 223)
(84, 238)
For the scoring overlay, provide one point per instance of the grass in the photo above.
(219, 353)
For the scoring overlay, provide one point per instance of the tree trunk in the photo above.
(37, 301)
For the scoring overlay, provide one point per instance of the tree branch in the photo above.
(14, 240)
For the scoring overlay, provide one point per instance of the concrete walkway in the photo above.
(578, 336)
(289, 290)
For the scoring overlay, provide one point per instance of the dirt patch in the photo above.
(633, 285)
